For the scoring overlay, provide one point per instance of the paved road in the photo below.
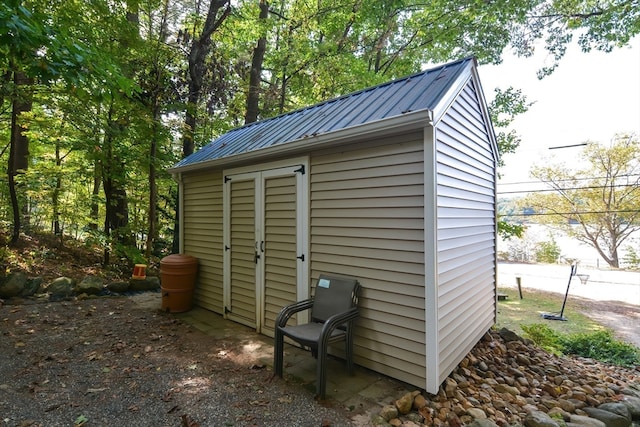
(602, 285)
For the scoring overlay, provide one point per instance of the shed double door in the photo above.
(265, 244)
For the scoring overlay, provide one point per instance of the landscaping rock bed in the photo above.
(507, 381)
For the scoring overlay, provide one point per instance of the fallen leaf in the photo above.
(285, 399)
(133, 408)
(96, 390)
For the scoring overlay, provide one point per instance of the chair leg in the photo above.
(278, 353)
(349, 350)
(321, 371)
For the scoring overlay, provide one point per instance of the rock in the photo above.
(476, 413)
(559, 413)
(14, 285)
(61, 287)
(483, 422)
(405, 403)
(419, 402)
(539, 419)
(378, 420)
(586, 421)
(389, 412)
(118, 287)
(450, 386)
(633, 405)
(31, 287)
(90, 285)
(504, 388)
(508, 335)
(617, 408)
(150, 283)
(608, 418)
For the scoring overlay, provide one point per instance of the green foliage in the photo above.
(602, 196)
(599, 345)
(543, 336)
(548, 252)
(631, 258)
(603, 346)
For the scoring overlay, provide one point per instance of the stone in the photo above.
(32, 286)
(539, 419)
(509, 335)
(504, 388)
(617, 408)
(150, 283)
(608, 418)
(118, 287)
(559, 413)
(405, 403)
(419, 402)
(90, 285)
(61, 287)
(450, 386)
(378, 420)
(483, 422)
(633, 405)
(389, 412)
(476, 413)
(585, 421)
(14, 285)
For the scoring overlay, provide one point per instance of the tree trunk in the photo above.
(152, 231)
(256, 71)
(197, 56)
(55, 197)
(19, 147)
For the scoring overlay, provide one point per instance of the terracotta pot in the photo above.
(178, 277)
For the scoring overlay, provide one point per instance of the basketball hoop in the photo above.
(583, 278)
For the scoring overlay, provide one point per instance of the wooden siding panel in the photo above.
(202, 234)
(242, 258)
(465, 190)
(367, 219)
(280, 248)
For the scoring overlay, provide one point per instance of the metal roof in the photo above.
(421, 91)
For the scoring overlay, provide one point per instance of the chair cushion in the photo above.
(309, 333)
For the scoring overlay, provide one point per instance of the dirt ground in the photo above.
(620, 317)
(119, 361)
(111, 361)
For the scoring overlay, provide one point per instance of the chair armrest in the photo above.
(337, 320)
(289, 310)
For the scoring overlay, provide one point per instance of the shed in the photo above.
(394, 185)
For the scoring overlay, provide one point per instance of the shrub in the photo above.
(598, 345)
(602, 345)
(543, 336)
(548, 252)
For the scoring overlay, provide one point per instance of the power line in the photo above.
(632, 175)
(568, 213)
(594, 187)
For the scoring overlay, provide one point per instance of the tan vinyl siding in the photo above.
(465, 230)
(242, 264)
(367, 221)
(280, 248)
(202, 234)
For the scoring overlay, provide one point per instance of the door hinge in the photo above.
(300, 169)
(301, 257)
(226, 310)
(226, 179)
(226, 248)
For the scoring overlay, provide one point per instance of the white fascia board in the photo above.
(408, 121)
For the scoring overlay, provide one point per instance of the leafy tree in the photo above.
(598, 203)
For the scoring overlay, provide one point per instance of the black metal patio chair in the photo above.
(334, 309)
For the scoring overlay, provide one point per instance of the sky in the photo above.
(590, 96)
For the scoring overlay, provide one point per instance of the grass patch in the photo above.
(514, 312)
(579, 335)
